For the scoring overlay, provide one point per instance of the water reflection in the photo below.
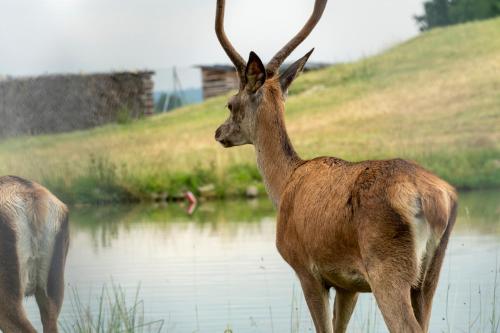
(219, 267)
(105, 224)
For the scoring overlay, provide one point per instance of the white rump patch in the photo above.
(423, 237)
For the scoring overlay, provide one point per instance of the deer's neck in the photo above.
(276, 157)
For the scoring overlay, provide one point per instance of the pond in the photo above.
(219, 268)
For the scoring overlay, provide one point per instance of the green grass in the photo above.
(434, 99)
(112, 314)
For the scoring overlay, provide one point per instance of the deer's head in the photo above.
(261, 87)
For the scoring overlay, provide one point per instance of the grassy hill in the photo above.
(434, 99)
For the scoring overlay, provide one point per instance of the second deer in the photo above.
(34, 240)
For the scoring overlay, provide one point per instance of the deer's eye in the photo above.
(230, 106)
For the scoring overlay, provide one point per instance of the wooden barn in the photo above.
(218, 80)
(221, 79)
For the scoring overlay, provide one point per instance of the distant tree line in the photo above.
(438, 13)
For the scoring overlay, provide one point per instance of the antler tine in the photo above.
(237, 60)
(277, 60)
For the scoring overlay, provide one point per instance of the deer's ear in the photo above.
(293, 71)
(255, 73)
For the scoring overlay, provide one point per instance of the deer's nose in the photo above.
(218, 133)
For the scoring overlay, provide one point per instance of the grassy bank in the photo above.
(434, 99)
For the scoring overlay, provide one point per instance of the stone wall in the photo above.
(61, 103)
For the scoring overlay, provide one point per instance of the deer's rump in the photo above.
(31, 219)
(343, 217)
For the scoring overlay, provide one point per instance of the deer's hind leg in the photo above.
(13, 319)
(422, 296)
(50, 296)
(49, 311)
(388, 253)
(395, 304)
(12, 315)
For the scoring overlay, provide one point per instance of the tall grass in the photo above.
(114, 314)
(495, 317)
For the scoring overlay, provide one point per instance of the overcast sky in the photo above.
(60, 36)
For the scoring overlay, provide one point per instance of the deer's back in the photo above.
(33, 216)
(330, 207)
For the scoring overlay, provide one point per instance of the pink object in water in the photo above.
(192, 202)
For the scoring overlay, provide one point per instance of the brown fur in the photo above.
(36, 202)
(349, 226)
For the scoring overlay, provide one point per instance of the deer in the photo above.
(379, 226)
(34, 241)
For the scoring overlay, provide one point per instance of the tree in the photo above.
(439, 13)
(436, 14)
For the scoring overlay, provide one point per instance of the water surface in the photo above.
(219, 268)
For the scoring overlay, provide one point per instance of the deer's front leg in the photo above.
(345, 301)
(316, 295)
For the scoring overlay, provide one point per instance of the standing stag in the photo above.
(372, 226)
(33, 246)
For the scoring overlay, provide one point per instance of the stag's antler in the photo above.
(273, 66)
(237, 60)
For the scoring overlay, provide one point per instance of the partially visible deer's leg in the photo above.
(51, 297)
(396, 308)
(345, 301)
(388, 254)
(13, 319)
(422, 298)
(417, 302)
(49, 311)
(12, 316)
(317, 298)
(390, 281)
